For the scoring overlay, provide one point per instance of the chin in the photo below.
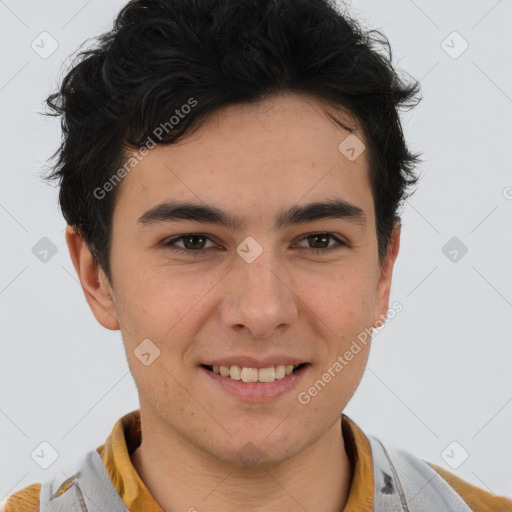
(255, 456)
(257, 450)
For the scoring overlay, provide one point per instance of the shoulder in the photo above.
(430, 486)
(476, 498)
(24, 500)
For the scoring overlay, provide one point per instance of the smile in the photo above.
(247, 374)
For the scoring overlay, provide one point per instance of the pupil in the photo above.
(316, 237)
(192, 238)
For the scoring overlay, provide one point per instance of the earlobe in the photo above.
(386, 273)
(95, 285)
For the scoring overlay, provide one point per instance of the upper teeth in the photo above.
(254, 374)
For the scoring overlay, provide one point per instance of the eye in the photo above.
(323, 240)
(195, 243)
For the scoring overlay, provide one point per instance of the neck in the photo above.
(181, 478)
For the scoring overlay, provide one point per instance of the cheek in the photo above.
(346, 311)
(162, 305)
(343, 300)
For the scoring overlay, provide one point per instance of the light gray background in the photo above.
(438, 373)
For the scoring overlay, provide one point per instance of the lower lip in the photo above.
(258, 391)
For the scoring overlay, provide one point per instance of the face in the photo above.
(278, 285)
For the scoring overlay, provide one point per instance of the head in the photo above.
(240, 109)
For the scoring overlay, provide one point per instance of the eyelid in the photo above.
(334, 236)
(169, 243)
(340, 242)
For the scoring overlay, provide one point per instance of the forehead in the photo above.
(257, 157)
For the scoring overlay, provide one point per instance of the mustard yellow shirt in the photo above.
(126, 437)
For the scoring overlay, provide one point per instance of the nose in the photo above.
(260, 299)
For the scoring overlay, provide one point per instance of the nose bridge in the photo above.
(261, 298)
(264, 277)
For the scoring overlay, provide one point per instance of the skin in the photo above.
(253, 160)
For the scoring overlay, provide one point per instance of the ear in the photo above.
(386, 273)
(98, 292)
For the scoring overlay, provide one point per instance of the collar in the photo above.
(126, 436)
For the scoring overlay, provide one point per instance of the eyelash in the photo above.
(200, 252)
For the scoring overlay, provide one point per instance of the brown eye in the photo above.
(196, 242)
(193, 244)
(320, 239)
(319, 242)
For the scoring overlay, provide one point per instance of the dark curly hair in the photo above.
(162, 53)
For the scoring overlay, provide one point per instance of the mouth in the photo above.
(255, 375)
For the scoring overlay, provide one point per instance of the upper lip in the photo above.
(254, 362)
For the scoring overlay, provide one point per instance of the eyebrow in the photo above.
(297, 214)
